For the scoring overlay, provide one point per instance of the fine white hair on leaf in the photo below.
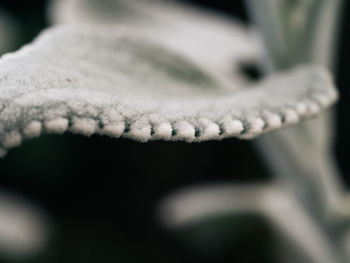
(232, 127)
(85, 126)
(163, 130)
(274, 121)
(194, 31)
(32, 130)
(125, 83)
(141, 130)
(11, 139)
(314, 107)
(254, 126)
(301, 108)
(59, 125)
(208, 129)
(183, 130)
(290, 116)
(113, 130)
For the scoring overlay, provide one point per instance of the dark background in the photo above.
(102, 192)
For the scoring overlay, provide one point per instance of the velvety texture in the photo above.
(121, 83)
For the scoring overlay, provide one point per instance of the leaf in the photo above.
(223, 42)
(287, 217)
(124, 83)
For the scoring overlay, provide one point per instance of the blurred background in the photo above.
(97, 196)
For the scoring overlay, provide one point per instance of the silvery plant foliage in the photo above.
(161, 70)
(25, 229)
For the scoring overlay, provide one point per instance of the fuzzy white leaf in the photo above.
(92, 80)
(289, 220)
(220, 41)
